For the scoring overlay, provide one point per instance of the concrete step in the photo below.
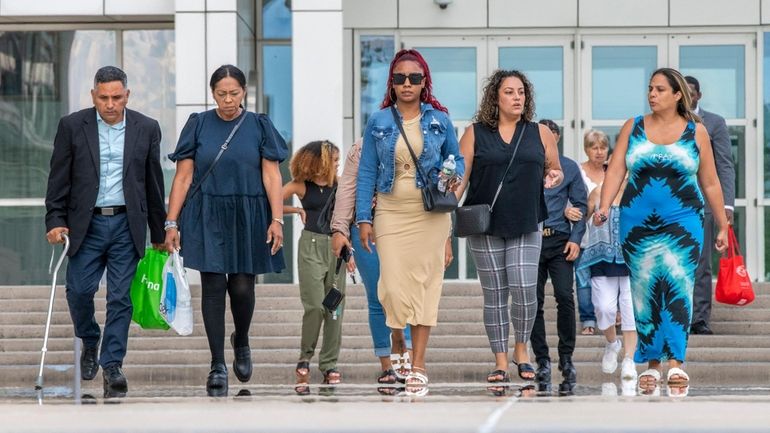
(356, 315)
(739, 329)
(171, 375)
(359, 356)
(479, 341)
(470, 288)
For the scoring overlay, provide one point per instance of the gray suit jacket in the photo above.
(720, 143)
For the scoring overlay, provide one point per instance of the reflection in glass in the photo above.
(720, 70)
(148, 56)
(376, 54)
(453, 70)
(276, 19)
(620, 75)
(43, 76)
(544, 67)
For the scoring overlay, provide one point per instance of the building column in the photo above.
(317, 76)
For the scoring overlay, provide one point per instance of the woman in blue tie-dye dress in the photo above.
(667, 154)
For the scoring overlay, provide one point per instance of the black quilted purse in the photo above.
(433, 200)
(476, 219)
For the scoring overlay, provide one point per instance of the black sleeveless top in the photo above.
(521, 204)
(313, 202)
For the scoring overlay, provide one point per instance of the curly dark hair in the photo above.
(488, 112)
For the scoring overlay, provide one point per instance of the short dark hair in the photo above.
(108, 74)
(225, 71)
(550, 124)
(694, 81)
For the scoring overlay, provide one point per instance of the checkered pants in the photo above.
(507, 267)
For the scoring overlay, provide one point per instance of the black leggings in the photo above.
(241, 290)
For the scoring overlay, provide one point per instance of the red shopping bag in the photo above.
(733, 282)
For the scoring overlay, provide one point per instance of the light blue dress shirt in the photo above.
(111, 140)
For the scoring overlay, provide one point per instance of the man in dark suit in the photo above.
(720, 143)
(105, 187)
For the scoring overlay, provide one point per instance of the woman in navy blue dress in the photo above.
(669, 159)
(231, 225)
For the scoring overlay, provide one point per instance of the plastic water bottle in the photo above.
(448, 170)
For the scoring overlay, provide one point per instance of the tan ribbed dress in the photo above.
(410, 243)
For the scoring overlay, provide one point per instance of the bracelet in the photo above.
(168, 225)
(278, 220)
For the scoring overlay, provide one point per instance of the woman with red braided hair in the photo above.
(410, 241)
(314, 176)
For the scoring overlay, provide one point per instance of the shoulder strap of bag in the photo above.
(222, 149)
(510, 163)
(397, 119)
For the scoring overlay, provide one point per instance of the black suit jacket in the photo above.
(73, 183)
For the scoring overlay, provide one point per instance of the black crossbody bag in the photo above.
(476, 219)
(433, 200)
(222, 149)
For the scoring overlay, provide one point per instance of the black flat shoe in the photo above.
(543, 374)
(115, 383)
(216, 384)
(89, 362)
(242, 366)
(701, 329)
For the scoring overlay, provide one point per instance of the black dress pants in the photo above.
(553, 262)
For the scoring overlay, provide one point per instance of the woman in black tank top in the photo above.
(314, 179)
(507, 256)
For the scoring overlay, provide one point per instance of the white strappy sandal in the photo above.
(684, 379)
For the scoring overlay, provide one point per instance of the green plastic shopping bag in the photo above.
(146, 290)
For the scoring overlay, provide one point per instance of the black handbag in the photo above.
(433, 200)
(325, 217)
(475, 219)
(332, 299)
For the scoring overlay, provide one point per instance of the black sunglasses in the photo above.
(414, 79)
(605, 164)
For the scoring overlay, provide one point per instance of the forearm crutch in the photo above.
(39, 381)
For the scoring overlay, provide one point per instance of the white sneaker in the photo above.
(610, 358)
(628, 370)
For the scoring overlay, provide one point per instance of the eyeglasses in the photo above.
(414, 79)
(605, 165)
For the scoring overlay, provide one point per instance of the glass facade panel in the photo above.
(738, 149)
(720, 70)
(24, 252)
(276, 19)
(766, 113)
(544, 67)
(276, 90)
(619, 79)
(453, 70)
(149, 62)
(376, 54)
(43, 75)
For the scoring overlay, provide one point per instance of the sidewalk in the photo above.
(449, 408)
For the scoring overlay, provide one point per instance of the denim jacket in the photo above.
(376, 169)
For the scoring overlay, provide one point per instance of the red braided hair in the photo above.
(427, 92)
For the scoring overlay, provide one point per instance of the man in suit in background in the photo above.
(105, 187)
(720, 143)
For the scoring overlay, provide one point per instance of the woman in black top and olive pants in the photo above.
(507, 256)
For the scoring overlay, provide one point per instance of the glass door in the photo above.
(724, 67)
(616, 71)
(548, 64)
(458, 66)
